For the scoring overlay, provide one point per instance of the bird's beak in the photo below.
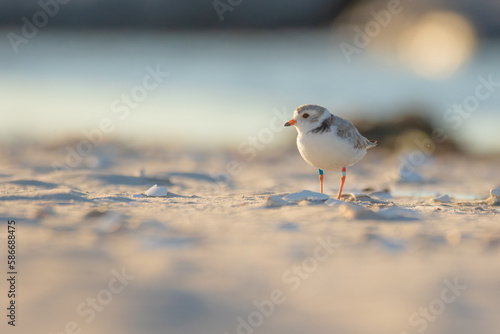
(290, 123)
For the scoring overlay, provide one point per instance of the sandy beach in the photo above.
(224, 252)
(151, 181)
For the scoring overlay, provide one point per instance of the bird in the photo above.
(328, 142)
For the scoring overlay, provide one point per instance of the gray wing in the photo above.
(346, 129)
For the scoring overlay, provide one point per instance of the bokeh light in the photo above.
(437, 44)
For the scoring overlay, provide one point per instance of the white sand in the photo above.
(207, 252)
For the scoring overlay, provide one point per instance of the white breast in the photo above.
(328, 151)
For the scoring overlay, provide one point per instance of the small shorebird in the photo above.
(328, 142)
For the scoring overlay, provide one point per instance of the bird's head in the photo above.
(308, 117)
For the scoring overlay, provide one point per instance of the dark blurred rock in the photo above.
(400, 133)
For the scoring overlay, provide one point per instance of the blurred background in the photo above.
(232, 66)
(211, 77)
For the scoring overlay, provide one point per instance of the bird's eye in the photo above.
(305, 115)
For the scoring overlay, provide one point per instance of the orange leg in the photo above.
(342, 181)
(321, 177)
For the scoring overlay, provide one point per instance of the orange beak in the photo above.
(292, 122)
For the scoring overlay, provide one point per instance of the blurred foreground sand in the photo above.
(212, 257)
